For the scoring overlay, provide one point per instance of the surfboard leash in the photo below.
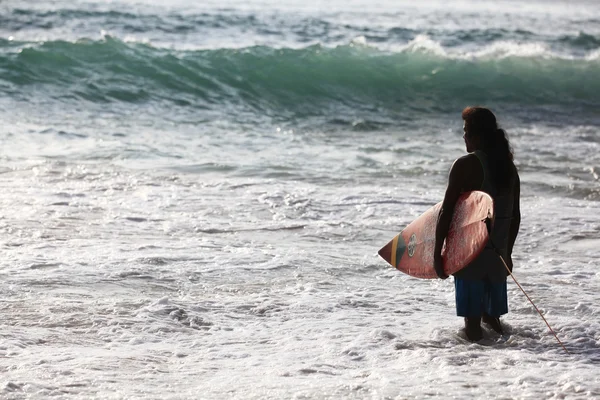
(488, 225)
(531, 301)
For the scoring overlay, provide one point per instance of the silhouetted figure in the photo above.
(481, 286)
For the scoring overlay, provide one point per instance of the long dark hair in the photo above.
(481, 122)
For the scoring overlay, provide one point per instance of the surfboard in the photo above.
(411, 251)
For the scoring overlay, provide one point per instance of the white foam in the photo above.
(268, 314)
(505, 49)
(423, 43)
(593, 55)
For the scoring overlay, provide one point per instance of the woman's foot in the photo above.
(473, 329)
(493, 322)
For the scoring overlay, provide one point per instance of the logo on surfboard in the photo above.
(412, 245)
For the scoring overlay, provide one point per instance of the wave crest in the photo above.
(299, 82)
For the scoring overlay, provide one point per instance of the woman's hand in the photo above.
(438, 264)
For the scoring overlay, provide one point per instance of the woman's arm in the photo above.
(466, 174)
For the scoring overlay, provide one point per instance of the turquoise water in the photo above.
(294, 61)
(309, 81)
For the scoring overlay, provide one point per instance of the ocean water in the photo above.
(194, 193)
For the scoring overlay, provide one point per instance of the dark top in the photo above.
(488, 265)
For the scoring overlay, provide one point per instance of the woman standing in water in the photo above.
(481, 286)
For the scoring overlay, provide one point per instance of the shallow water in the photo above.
(193, 199)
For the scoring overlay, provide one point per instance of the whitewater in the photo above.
(193, 196)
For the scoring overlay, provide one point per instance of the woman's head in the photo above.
(479, 124)
(481, 132)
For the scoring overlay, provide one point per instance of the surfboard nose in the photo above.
(386, 252)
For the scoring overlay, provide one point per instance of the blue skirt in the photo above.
(474, 297)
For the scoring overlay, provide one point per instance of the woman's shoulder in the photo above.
(467, 172)
(468, 160)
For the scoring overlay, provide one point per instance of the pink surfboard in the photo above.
(411, 251)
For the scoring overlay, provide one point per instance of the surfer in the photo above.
(480, 288)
